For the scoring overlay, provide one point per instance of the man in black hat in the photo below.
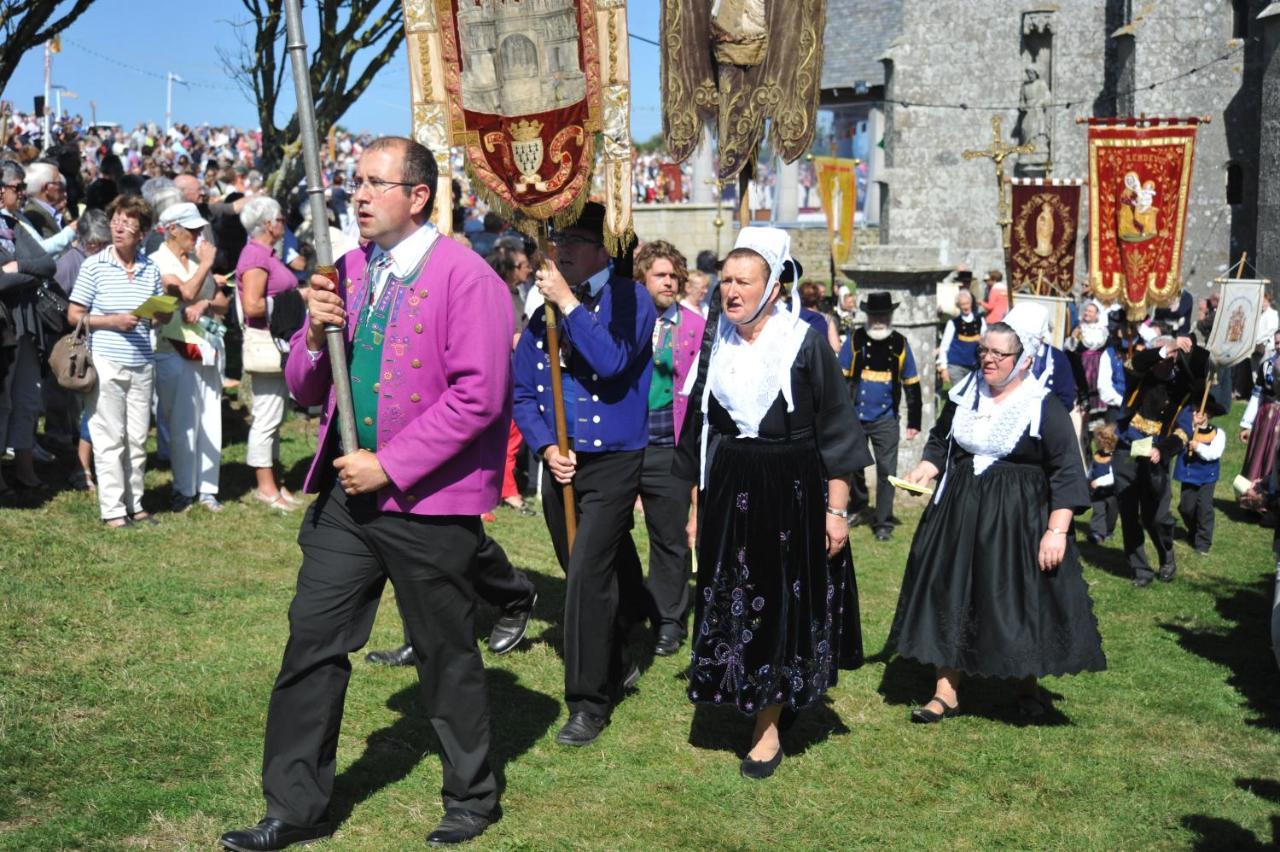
(606, 353)
(880, 367)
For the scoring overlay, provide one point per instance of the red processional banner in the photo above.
(1139, 182)
(1041, 257)
(524, 87)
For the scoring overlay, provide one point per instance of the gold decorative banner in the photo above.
(838, 189)
(429, 98)
(740, 63)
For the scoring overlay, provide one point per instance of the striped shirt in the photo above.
(103, 287)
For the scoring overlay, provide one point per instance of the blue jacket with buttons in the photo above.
(607, 375)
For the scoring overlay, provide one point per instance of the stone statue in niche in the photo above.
(1035, 125)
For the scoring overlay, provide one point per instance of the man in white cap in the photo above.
(189, 352)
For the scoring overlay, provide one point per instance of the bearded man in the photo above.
(880, 367)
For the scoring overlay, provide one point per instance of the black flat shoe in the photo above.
(509, 629)
(758, 770)
(1167, 571)
(925, 716)
(460, 825)
(273, 834)
(582, 729)
(402, 656)
(1142, 582)
(884, 533)
(667, 645)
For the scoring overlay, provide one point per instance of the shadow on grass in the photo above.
(1232, 511)
(1108, 557)
(520, 717)
(910, 683)
(725, 729)
(1244, 646)
(1223, 835)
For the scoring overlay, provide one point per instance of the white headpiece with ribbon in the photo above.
(990, 430)
(745, 377)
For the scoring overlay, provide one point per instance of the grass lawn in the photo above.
(137, 666)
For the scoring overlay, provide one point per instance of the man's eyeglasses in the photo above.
(16, 187)
(984, 351)
(377, 185)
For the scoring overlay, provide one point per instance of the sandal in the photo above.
(145, 518)
(121, 523)
(278, 501)
(925, 716)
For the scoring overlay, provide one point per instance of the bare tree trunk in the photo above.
(351, 32)
(25, 24)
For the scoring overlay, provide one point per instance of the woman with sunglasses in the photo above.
(993, 586)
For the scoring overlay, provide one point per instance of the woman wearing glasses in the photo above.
(260, 277)
(993, 585)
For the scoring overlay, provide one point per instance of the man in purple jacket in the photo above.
(432, 395)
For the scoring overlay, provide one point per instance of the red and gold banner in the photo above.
(1139, 181)
(838, 189)
(1041, 257)
(523, 88)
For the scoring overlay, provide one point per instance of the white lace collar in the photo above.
(989, 429)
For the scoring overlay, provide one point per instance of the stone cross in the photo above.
(997, 151)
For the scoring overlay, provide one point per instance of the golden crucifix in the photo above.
(997, 151)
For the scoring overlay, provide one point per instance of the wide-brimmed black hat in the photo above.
(964, 276)
(878, 303)
(589, 221)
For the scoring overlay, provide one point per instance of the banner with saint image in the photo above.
(1235, 325)
(1139, 182)
(1041, 257)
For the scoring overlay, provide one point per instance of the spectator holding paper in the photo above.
(113, 285)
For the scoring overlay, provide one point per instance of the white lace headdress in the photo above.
(747, 377)
(989, 430)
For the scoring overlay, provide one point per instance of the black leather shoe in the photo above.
(668, 644)
(758, 770)
(1167, 570)
(581, 729)
(884, 533)
(925, 716)
(459, 826)
(1142, 582)
(509, 629)
(402, 656)
(273, 833)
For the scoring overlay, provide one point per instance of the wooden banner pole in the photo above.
(557, 395)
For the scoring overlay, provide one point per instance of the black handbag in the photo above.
(51, 309)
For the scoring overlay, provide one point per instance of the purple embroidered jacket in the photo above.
(444, 405)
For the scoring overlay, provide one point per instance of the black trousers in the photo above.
(1195, 504)
(1144, 494)
(1105, 511)
(497, 582)
(666, 511)
(883, 435)
(600, 573)
(349, 551)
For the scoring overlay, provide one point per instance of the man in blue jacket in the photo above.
(606, 353)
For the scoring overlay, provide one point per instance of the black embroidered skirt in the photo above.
(974, 597)
(774, 618)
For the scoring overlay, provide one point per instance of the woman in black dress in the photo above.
(777, 607)
(993, 585)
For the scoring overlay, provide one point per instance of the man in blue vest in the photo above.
(958, 351)
(606, 352)
(880, 367)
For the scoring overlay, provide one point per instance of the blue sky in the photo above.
(148, 38)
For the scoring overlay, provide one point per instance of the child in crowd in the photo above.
(1197, 469)
(1102, 485)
